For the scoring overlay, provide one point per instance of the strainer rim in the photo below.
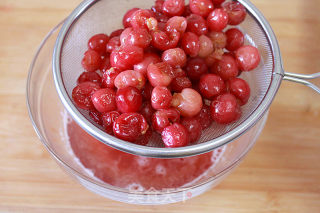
(166, 152)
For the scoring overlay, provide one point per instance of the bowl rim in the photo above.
(107, 186)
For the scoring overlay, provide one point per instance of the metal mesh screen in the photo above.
(106, 16)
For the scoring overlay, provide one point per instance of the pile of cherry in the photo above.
(172, 70)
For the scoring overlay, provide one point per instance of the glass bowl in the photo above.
(177, 181)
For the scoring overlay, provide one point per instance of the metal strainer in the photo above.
(104, 16)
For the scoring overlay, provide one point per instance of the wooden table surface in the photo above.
(280, 174)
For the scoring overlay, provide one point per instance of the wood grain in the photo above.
(281, 173)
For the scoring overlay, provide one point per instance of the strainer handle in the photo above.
(302, 79)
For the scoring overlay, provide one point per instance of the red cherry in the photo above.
(160, 74)
(197, 24)
(127, 17)
(204, 117)
(108, 120)
(195, 68)
(248, 58)
(175, 135)
(176, 24)
(139, 37)
(91, 61)
(173, 7)
(217, 20)
(113, 44)
(225, 109)
(109, 76)
(240, 89)
(149, 58)
(82, 93)
(89, 76)
(130, 78)
(175, 57)
(226, 68)
(98, 43)
(163, 40)
(139, 18)
(104, 100)
(235, 39)
(130, 126)
(125, 57)
(161, 98)
(193, 127)
(188, 102)
(206, 46)
(236, 12)
(128, 99)
(190, 44)
(201, 7)
(164, 117)
(211, 85)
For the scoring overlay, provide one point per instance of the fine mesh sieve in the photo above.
(104, 16)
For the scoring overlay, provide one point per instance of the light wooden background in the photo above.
(280, 174)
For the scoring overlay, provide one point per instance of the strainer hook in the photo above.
(303, 79)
